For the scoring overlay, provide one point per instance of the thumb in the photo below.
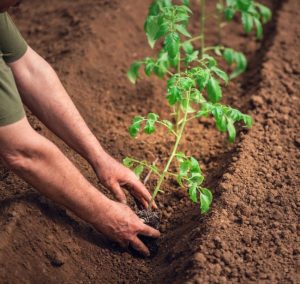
(118, 192)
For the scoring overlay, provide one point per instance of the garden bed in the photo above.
(252, 231)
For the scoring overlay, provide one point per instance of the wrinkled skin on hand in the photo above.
(113, 175)
(120, 224)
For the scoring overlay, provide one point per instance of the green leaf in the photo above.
(195, 165)
(197, 97)
(134, 128)
(182, 29)
(184, 167)
(133, 71)
(228, 55)
(127, 162)
(202, 79)
(138, 170)
(191, 57)
(179, 180)
(186, 83)
(196, 178)
(214, 90)
(174, 95)
(172, 43)
(211, 61)
(153, 116)
(205, 200)
(241, 64)
(247, 21)
(231, 130)
(181, 157)
(265, 12)
(221, 74)
(186, 2)
(229, 13)
(205, 109)
(151, 28)
(259, 29)
(193, 192)
(188, 47)
(244, 5)
(149, 66)
(247, 120)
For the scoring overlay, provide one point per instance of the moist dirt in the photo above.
(252, 232)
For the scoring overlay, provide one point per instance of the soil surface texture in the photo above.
(252, 233)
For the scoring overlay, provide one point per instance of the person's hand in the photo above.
(114, 176)
(119, 223)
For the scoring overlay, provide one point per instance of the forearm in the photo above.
(43, 93)
(40, 163)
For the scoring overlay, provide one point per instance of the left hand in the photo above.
(113, 175)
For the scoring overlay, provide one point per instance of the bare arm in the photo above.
(43, 93)
(40, 163)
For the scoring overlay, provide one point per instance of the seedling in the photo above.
(194, 90)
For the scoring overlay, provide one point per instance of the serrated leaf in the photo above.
(184, 167)
(228, 55)
(127, 162)
(172, 43)
(265, 12)
(181, 157)
(134, 128)
(149, 66)
(247, 120)
(202, 79)
(259, 29)
(138, 170)
(174, 95)
(191, 57)
(247, 21)
(244, 5)
(153, 116)
(229, 13)
(221, 74)
(186, 2)
(133, 71)
(214, 90)
(205, 200)
(195, 167)
(231, 130)
(188, 47)
(193, 193)
(182, 29)
(149, 126)
(151, 28)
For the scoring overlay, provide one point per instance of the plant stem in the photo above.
(202, 32)
(165, 171)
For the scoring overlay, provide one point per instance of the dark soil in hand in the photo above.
(150, 218)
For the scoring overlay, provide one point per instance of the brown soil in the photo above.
(252, 231)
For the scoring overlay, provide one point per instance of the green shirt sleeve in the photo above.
(12, 44)
(12, 47)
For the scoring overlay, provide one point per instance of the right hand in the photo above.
(119, 223)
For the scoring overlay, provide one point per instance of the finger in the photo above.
(141, 192)
(149, 231)
(138, 245)
(118, 192)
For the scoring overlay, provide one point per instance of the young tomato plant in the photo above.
(193, 91)
(253, 15)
